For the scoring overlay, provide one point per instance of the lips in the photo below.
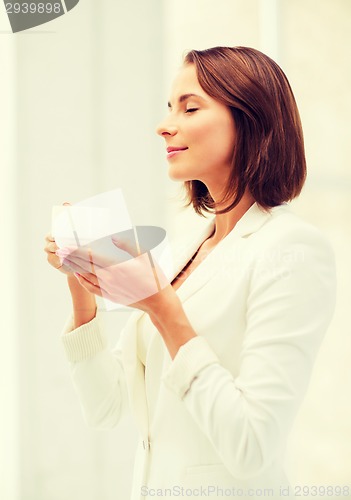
(171, 149)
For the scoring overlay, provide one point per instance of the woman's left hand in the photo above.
(138, 282)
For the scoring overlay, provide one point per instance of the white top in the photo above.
(145, 331)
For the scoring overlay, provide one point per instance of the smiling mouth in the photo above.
(170, 149)
(174, 151)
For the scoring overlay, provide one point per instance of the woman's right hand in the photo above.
(84, 303)
(53, 259)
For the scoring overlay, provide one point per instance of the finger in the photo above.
(51, 248)
(75, 266)
(130, 245)
(74, 259)
(81, 253)
(65, 268)
(70, 257)
(86, 258)
(56, 263)
(88, 285)
(69, 250)
(49, 238)
(92, 278)
(53, 260)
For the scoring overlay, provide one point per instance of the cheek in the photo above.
(217, 141)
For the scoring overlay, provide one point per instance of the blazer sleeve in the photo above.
(289, 307)
(97, 374)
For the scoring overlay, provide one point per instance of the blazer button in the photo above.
(146, 444)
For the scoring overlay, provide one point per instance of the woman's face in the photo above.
(199, 133)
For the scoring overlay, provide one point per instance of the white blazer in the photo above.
(215, 420)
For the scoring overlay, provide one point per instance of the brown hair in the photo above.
(268, 157)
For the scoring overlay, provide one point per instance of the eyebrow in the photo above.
(184, 97)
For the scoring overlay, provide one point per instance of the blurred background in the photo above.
(80, 98)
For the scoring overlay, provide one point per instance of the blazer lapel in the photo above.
(250, 222)
(186, 251)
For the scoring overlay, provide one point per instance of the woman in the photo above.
(215, 365)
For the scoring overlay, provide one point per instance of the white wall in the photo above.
(316, 41)
(9, 362)
(80, 98)
(85, 104)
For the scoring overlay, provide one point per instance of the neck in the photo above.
(224, 223)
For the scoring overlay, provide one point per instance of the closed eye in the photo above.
(191, 110)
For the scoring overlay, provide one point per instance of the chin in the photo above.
(177, 173)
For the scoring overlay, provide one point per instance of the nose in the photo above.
(165, 128)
